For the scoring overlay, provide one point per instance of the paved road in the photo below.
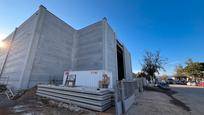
(155, 103)
(192, 97)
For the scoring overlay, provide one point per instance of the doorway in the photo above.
(120, 61)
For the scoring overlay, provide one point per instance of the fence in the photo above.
(127, 92)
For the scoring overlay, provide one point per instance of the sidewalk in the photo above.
(185, 86)
(155, 103)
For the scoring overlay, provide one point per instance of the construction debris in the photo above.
(29, 103)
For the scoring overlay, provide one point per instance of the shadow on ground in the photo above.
(170, 93)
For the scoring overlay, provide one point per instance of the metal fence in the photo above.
(127, 91)
(129, 88)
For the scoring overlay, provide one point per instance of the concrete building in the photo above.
(44, 46)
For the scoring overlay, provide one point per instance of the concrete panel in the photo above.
(44, 47)
(54, 49)
(4, 51)
(119, 108)
(128, 65)
(77, 94)
(19, 48)
(89, 48)
(128, 102)
(32, 46)
(90, 98)
(111, 51)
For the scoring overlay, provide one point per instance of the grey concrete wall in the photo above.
(128, 64)
(89, 48)
(45, 46)
(4, 50)
(54, 50)
(111, 51)
(19, 49)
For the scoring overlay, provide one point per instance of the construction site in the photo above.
(89, 67)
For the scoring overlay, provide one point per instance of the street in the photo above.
(154, 102)
(193, 97)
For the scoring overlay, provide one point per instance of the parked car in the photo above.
(201, 84)
(170, 81)
(191, 83)
(181, 82)
(178, 82)
(163, 85)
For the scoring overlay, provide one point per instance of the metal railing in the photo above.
(129, 88)
(127, 91)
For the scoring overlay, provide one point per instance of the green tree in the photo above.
(180, 70)
(152, 64)
(140, 74)
(193, 69)
(164, 77)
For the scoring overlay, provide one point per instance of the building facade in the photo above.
(44, 46)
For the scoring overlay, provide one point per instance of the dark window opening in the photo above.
(120, 61)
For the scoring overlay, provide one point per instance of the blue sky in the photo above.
(174, 27)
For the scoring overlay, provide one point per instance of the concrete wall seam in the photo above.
(24, 82)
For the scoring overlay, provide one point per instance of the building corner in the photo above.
(33, 43)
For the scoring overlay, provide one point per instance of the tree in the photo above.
(164, 77)
(180, 70)
(152, 64)
(140, 74)
(193, 69)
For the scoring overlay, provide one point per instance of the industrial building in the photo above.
(44, 46)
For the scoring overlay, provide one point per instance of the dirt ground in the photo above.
(153, 102)
(150, 102)
(30, 104)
